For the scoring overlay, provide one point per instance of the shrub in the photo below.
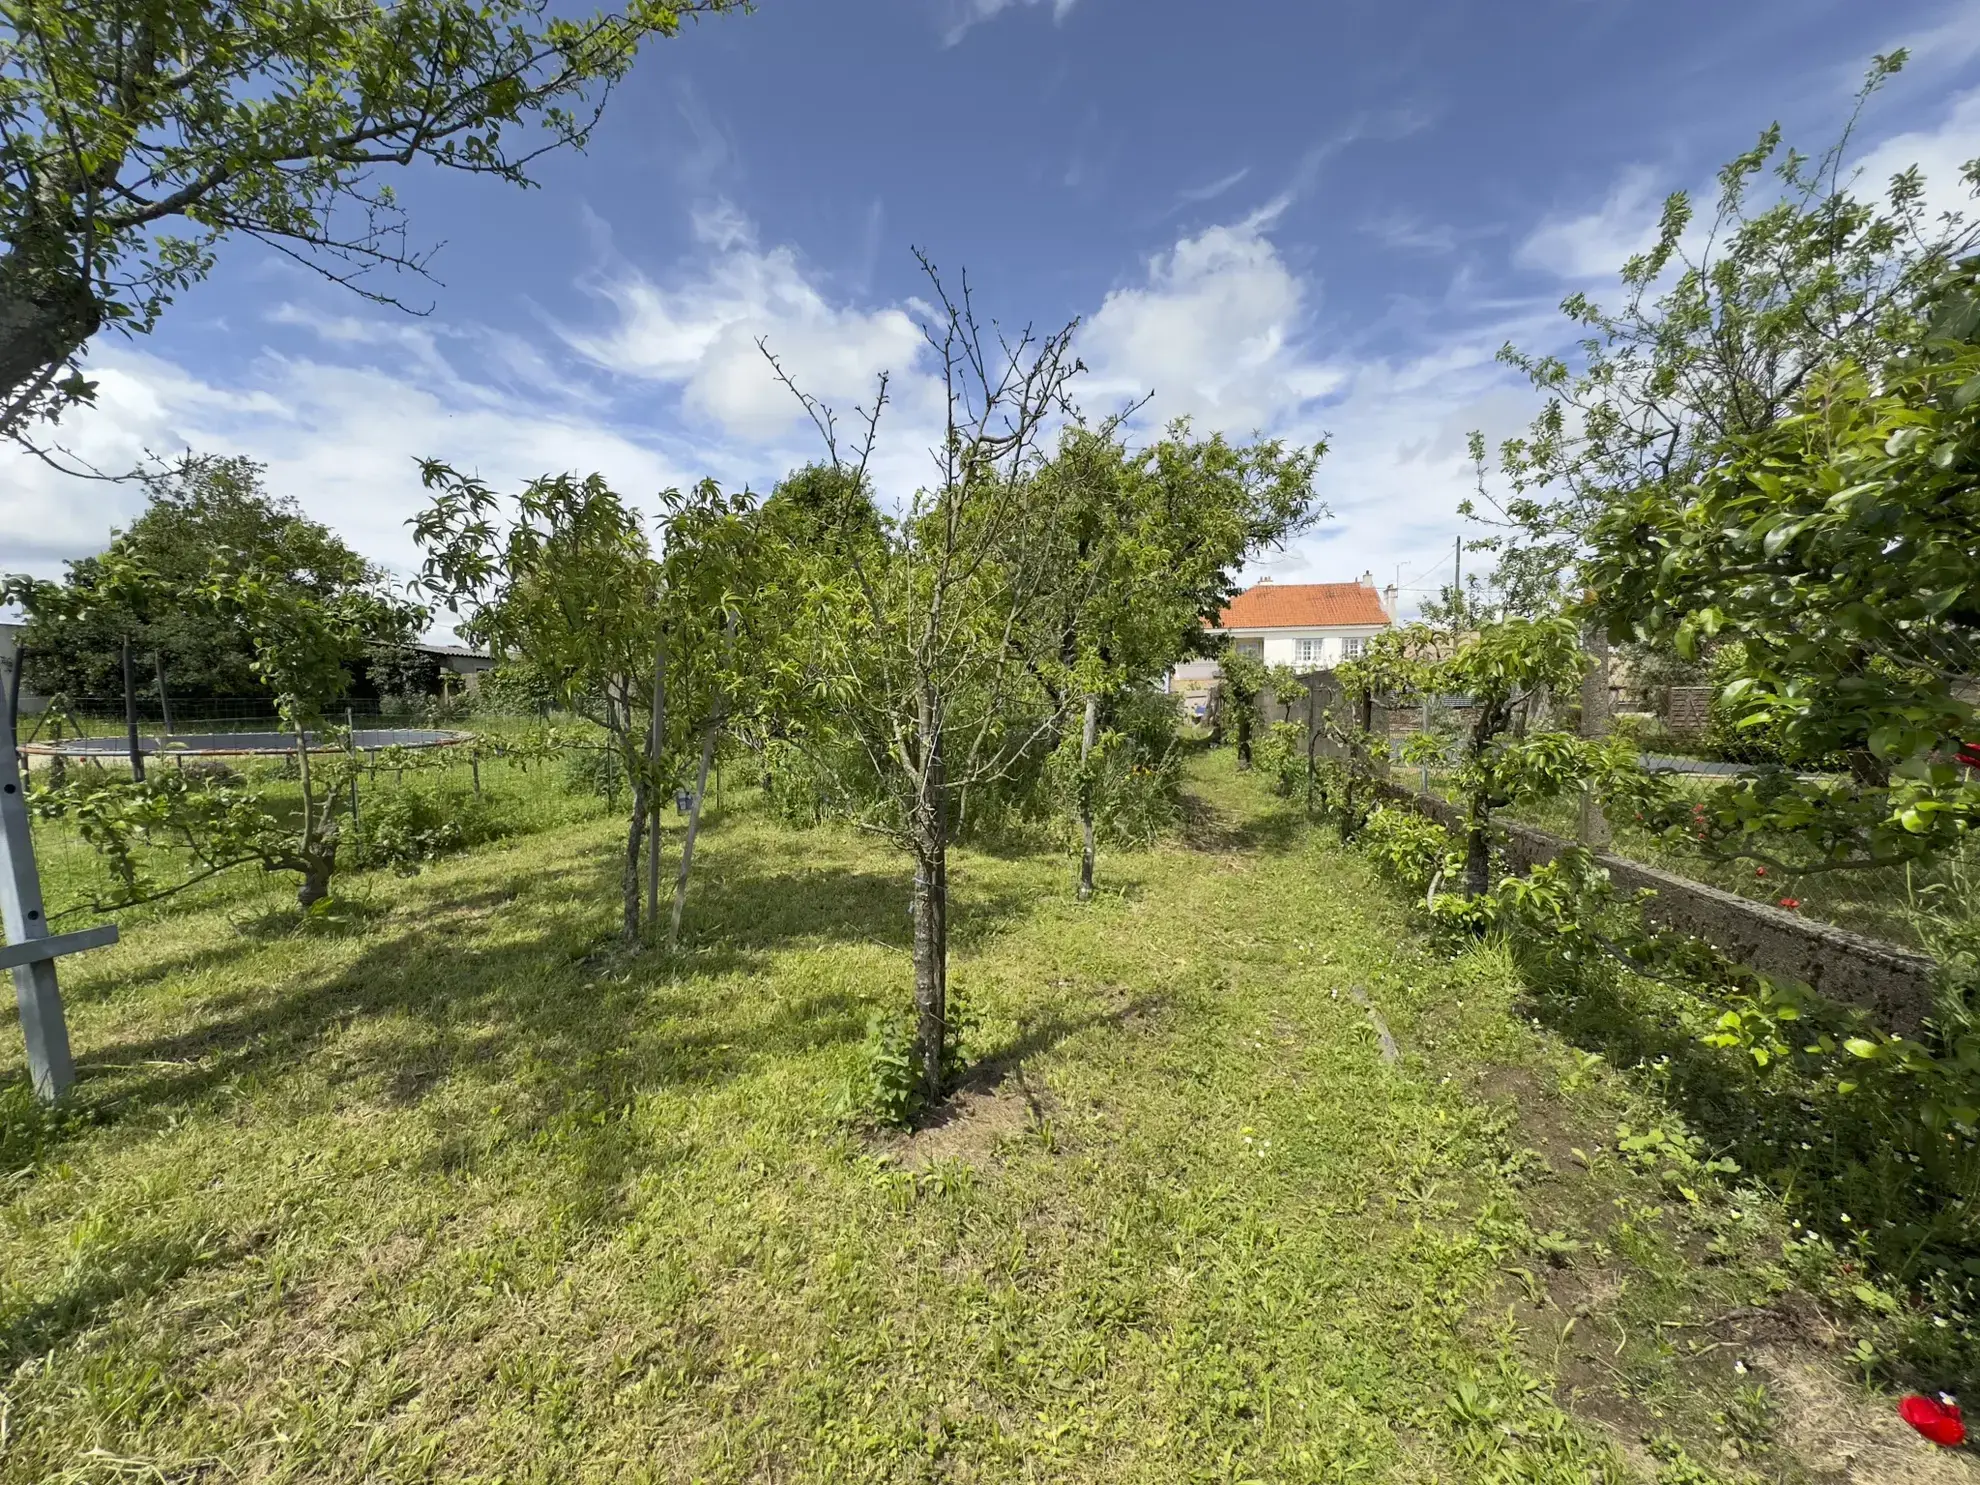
(1281, 757)
(598, 772)
(1136, 769)
(1763, 743)
(1408, 847)
(887, 1088)
(404, 828)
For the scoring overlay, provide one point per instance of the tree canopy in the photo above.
(206, 510)
(136, 134)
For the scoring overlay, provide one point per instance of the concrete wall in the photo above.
(1898, 986)
(1895, 985)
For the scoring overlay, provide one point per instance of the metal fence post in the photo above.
(1594, 831)
(49, 1063)
(350, 748)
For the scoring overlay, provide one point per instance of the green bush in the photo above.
(1280, 757)
(598, 772)
(1408, 847)
(886, 1089)
(1136, 772)
(404, 828)
(1728, 737)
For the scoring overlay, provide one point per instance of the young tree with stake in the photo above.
(919, 660)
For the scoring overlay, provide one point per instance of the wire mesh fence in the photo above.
(411, 785)
(1927, 905)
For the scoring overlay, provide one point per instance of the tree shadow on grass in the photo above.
(525, 971)
(99, 1277)
(1836, 1154)
(1208, 828)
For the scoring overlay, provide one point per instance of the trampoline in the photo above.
(246, 744)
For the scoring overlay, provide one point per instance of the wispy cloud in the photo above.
(1197, 195)
(960, 15)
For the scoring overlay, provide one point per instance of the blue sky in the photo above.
(1294, 218)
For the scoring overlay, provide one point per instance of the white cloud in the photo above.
(1596, 244)
(1941, 154)
(1197, 195)
(959, 15)
(700, 333)
(341, 438)
(1214, 332)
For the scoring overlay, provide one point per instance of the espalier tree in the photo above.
(136, 135)
(1837, 547)
(301, 637)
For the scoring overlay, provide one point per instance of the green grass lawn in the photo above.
(443, 1186)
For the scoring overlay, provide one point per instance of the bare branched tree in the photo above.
(920, 643)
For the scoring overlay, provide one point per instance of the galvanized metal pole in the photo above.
(131, 717)
(350, 748)
(49, 1063)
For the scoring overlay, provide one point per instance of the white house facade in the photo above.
(1308, 626)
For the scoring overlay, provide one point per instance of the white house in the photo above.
(1309, 626)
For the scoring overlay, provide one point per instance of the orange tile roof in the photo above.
(1302, 606)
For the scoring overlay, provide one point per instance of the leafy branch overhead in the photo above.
(135, 135)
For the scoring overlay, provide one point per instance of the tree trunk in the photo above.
(693, 829)
(1088, 737)
(635, 834)
(47, 312)
(1478, 851)
(656, 739)
(931, 922)
(319, 863)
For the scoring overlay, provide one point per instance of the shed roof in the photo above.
(1303, 606)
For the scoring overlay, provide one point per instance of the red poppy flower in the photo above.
(1790, 903)
(1759, 871)
(1935, 1417)
(1969, 754)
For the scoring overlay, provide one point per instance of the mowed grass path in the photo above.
(449, 1189)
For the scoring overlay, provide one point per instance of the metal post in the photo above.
(130, 716)
(1425, 783)
(350, 747)
(1594, 831)
(164, 700)
(49, 1064)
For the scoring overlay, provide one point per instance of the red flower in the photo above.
(1969, 754)
(1759, 871)
(1790, 903)
(1935, 1417)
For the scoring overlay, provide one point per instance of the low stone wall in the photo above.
(1895, 985)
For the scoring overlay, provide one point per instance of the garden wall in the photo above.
(1895, 985)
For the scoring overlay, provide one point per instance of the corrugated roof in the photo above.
(1303, 606)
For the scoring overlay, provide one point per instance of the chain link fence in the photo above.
(478, 777)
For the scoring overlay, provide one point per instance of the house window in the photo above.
(1351, 648)
(1249, 646)
(1307, 651)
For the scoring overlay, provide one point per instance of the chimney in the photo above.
(1389, 596)
(1368, 580)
